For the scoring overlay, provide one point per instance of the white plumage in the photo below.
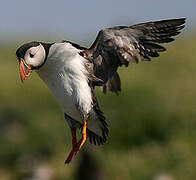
(67, 79)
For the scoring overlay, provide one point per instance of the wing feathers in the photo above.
(121, 45)
(113, 84)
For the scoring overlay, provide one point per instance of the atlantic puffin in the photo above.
(72, 72)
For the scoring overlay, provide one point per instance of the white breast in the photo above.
(65, 75)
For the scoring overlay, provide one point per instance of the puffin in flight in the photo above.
(72, 72)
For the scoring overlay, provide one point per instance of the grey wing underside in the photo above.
(121, 45)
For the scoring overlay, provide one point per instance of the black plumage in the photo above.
(121, 45)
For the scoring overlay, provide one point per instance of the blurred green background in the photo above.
(152, 122)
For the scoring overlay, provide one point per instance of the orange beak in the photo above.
(25, 70)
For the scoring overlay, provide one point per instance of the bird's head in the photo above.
(31, 56)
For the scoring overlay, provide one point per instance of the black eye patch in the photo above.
(31, 55)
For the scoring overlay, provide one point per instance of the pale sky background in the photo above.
(23, 20)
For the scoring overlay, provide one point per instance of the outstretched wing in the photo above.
(120, 45)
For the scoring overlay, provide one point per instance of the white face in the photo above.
(35, 56)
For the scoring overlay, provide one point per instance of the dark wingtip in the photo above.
(182, 19)
(176, 21)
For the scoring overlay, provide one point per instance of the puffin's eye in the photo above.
(31, 55)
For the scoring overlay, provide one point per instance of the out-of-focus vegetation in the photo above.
(152, 122)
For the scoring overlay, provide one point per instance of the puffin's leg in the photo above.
(74, 145)
(84, 136)
(77, 146)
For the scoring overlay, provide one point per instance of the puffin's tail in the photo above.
(97, 128)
